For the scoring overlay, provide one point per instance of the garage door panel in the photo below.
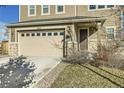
(41, 45)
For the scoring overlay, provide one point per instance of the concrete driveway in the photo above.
(43, 65)
(4, 60)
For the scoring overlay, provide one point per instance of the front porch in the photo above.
(85, 36)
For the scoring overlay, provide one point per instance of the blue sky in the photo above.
(8, 14)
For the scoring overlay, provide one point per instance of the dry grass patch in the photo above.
(87, 76)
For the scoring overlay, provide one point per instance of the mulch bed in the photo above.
(51, 76)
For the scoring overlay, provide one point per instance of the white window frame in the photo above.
(97, 9)
(91, 9)
(29, 11)
(110, 7)
(114, 32)
(105, 6)
(60, 12)
(45, 13)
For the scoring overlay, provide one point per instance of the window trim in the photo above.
(97, 9)
(45, 13)
(91, 9)
(105, 6)
(114, 32)
(110, 7)
(60, 12)
(29, 10)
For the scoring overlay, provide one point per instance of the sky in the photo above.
(8, 14)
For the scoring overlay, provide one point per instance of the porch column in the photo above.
(73, 32)
(75, 43)
(71, 44)
(98, 32)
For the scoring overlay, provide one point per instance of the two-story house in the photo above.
(42, 29)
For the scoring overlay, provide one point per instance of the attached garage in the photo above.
(41, 43)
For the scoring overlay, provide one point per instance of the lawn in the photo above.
(87, 76)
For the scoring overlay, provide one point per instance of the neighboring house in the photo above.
(42, 29)
(4, 47)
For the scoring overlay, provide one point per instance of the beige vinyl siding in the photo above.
(24, 14)
(82, 10)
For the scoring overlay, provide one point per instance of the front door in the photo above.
(83, 39)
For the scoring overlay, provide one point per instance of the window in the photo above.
(92, 7)
(101, 6)
(38, 34)
(31, 10)
(45, 9)
(98, 7)
(33, 34)
(55, 33)
(110, 6)
(43, 34)
(49, 34)
(110, 33)
(60, 9)
(27, 34)
(22, 35)
(61, 33)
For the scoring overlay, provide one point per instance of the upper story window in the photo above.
(60, 9)
(45, 9)
(92, 7)
(110, 6)
(99, 7)
(31, 10)
(110, 33)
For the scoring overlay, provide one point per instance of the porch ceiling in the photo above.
(53, 21)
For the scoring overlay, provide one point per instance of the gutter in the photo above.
(56, 22)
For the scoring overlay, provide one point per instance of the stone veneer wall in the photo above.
(13, 49)
(69, 47)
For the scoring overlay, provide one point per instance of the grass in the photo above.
(87, 76)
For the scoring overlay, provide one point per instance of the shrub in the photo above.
(116, 61)
(82, 57)
(16, 73)
(109, 54)
(106, 49)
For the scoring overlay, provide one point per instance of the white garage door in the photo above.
(41, 43)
